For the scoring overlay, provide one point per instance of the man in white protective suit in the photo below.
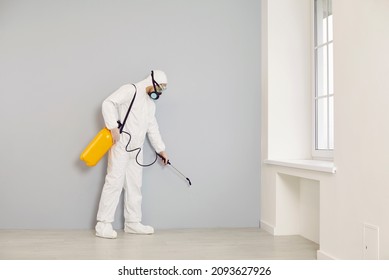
(125, 158)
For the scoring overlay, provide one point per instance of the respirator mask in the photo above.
(157, 88)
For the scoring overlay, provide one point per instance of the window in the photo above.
(324, 84)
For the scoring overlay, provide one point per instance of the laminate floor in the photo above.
(179, 244)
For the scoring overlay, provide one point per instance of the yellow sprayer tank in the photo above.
(97, 147)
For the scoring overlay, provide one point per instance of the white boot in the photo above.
(138, 228)
(105, 230)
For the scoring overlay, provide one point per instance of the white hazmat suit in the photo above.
(123, 172)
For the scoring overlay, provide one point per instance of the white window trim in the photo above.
(316, 154)
(311, 165)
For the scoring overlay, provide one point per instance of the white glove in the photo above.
(115, 135)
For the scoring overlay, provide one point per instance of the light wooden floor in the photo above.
(186, 244)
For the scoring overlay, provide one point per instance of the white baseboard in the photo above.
(320, 255)
(267, 227)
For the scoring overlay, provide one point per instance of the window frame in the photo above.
(325, 154)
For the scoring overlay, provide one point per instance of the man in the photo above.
(124, 169)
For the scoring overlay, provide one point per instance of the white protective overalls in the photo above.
(123, 172)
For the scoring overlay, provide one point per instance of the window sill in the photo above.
(306, 164)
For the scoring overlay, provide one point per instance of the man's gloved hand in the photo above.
(164, 157)
(115, 135)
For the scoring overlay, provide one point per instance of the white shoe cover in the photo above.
(105, 230)
(138, 228)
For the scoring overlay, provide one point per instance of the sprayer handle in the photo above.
(164, 159)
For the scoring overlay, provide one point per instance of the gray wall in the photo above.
(60, 59)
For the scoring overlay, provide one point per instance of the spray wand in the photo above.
(168, 162)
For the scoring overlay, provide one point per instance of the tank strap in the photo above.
(121, 125)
